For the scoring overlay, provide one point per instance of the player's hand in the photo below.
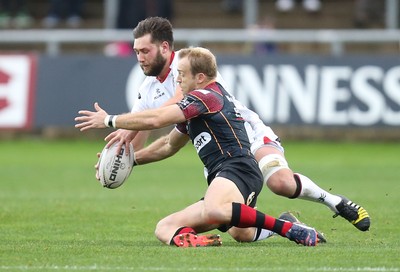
(123, 137)
(91, 119)
(96, 166)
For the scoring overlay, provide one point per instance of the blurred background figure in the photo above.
(14, 13)
(130, 12)
(368, 13)
(232, 5)
(118, 49)
(308, 5)
(262, 48)
(71, 10)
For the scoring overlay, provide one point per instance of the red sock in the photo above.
(244, 216)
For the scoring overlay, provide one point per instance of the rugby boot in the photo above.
(195, 240)
(353, 213)
(303, 235)
(288, 216)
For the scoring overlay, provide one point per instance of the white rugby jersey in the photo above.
(153, 94)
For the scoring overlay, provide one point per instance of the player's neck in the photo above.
(205, 84)
(166, 70)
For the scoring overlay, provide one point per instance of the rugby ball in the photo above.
(115, 168)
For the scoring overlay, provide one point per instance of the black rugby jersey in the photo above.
(215, 127)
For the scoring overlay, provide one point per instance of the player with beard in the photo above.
(154, 47)
(206, 115)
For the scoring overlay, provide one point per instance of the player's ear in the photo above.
(201, 77)
(164, 47)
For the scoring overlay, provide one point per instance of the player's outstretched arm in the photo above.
(145, 120)
(162, 148)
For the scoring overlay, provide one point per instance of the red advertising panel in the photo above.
(17, 85)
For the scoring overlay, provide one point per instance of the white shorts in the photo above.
(264, 135)
(269, 164)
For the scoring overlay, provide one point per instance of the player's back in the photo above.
(218, 132)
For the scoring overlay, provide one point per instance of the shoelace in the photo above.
(349, 211)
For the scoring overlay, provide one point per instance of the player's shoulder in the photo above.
(175, 60)
(148, 83)
(211, 99)
(202, 94)
(145, 92)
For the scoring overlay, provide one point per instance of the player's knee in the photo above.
(162, 231)
(158, 231)
(282, 183)
(277, 174)
(242, 234)
(273, 165)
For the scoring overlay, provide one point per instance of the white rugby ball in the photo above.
(115, 168)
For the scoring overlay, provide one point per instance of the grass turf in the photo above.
(55, 216)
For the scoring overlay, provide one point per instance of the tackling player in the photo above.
(207, 115)
(153, 44)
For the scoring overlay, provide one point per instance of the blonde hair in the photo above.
(201, 61)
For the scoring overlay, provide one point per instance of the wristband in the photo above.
(113, 120)
(110, 120)
(107, 121)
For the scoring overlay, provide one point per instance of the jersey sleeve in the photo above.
(201, 102)
(182, 128)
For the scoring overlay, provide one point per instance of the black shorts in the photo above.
(245, 173)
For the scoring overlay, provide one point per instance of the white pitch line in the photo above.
(149, 268)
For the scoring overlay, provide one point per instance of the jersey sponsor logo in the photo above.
(201, 140)
(185, 103)
(158, 94)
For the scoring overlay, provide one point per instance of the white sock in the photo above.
(311, 191)
(262, 234)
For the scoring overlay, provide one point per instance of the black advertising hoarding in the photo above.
(319, 91)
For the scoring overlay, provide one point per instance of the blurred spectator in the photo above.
(368, 13)
(69, 9)
(308, 5)
(262, 48)
(13, 13)
(118, 49)
(232, 5)
(130, 12)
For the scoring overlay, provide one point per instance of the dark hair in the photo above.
(159, 28)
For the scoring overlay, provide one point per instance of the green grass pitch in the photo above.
(54, 215)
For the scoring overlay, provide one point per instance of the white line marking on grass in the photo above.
(149, 268)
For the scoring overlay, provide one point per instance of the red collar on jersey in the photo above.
(169, 69)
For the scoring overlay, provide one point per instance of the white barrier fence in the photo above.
(53, 39)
